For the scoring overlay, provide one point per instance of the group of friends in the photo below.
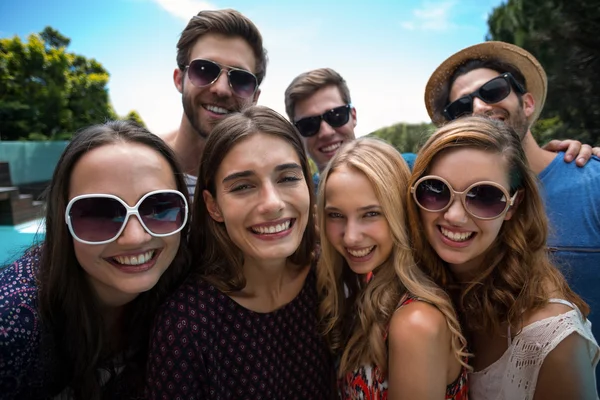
(211, 263)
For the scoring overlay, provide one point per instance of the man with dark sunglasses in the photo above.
(506, 82)
(318, 103)
(221, 63)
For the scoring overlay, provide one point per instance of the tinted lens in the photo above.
(495, 90)
(309, 126)
(162, 213)
(432, 194)
(459, 107)
(203, 72)
(97, 219)
(485, 201)
(243, 83)
(337, 117)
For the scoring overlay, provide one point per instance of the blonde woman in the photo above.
(479, 230)
(394, 330)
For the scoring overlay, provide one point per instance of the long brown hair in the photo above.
(516, 272)
(354, 322)
(69, 312)
(214, 255)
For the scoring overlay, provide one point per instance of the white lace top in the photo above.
(514, 375)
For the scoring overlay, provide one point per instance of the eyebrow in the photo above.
(247, 173)
(365, 208)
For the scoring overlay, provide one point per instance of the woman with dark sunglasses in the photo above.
(75, 310)
(395, 332)
(244, 324)
(479, 229)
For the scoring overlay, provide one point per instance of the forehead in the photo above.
(319, 102)
(344, 180)
(464, 166)
(260, 153)
(127, 170)
(471, 81)
(233, 51)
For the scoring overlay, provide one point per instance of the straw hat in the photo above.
(536, 81)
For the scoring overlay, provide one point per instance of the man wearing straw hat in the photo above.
(506, 82)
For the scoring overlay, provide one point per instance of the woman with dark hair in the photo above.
(479, 229)
(244, 324)
(75, 311)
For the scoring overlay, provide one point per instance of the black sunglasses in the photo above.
(491, 92)
(205, 72)
(336, 117)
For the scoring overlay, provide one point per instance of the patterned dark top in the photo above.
(369, 382)
(204, 345)
(29, 366)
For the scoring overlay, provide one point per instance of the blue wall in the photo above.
(31, 162)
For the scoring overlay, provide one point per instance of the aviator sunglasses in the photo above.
(205, 72)
(491, 92)
(482, 200)
(336, 117)
(101, 218)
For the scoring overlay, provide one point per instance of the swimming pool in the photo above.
(15, 239)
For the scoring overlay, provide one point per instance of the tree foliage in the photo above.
(563, 36)
(47, 93)
(406, 138)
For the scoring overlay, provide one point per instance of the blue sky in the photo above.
(385, 49)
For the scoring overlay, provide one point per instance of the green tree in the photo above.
(47, 92)
(563, 36)
(406, 138)
(135, 117)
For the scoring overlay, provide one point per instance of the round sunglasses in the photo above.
(205, 72)
(482, 200)
(101, 218)
(491, 92)
(335, 117)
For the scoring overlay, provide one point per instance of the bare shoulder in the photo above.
(548, 311)
(418, 321)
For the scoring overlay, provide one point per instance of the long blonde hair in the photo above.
(516, 272)
(355, 322)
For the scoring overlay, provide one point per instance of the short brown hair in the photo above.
(225, 22)
(308, 83)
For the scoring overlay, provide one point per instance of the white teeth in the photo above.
(273, 228)
(456, 236)
(135, 260)
(331, 147)
(217, 110)
(360, 253)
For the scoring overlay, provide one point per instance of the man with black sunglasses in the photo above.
(318, 103)
(506, 82)
(221, 63)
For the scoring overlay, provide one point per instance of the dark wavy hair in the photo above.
(73, 325)
(215, 257)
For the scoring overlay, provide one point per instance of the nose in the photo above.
(271, 202)
(325, 130)
(480, 107)
(456, 214)
(134, 233)
(352, 233)
(220, 87)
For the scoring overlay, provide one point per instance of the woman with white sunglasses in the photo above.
(75, 310)
(479, 229)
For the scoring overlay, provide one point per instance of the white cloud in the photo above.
(185, 9)
(431, 17)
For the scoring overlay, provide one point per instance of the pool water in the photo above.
(14, 240)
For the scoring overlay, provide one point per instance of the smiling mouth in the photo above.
(135, 260)
(331, 147)
(216, 109)
(362, 252)
(456, 236)
(273, 229)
